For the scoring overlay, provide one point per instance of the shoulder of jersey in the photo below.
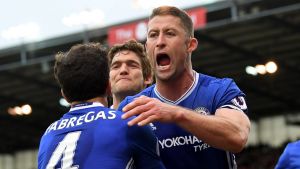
(210, 80)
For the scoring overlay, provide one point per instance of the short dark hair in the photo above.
(185, 19)
(138, 49)
(82, 72)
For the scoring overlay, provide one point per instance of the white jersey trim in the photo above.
(94, 104)
(231, 107)
(230, 160)
(184, 96)
(130, 164)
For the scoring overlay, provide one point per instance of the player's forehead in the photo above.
(164, 22)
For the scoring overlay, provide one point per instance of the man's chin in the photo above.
(163, 75)
(125, 92)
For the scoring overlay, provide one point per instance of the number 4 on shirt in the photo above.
(66, 150)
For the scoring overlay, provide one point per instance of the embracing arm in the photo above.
(228, 129)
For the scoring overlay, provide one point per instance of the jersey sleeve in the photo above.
(123, 104)
(283, 161)
(145, 148)
(230, 96)
(41, 154)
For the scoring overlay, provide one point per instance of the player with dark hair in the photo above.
(200, 120)
(90, 135)
(130, 70)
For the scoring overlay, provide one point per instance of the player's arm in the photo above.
(145, 148)
(284, 160)
(228, 129)
(41, 154)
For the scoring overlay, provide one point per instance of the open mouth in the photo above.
(163, 59)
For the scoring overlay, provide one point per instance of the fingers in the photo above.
(135, 108)
(136, 102)
(140, 113)
(137, 120)
(143, 119)
(144, 108)
(146, 121)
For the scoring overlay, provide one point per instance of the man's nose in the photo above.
(161, 41)
(124, 69)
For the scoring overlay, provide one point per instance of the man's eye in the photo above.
(151, 35)
(170, 33)
(134, 65)
(114, 66)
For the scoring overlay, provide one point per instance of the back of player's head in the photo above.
(82, 72)
(138, 49)
(185, 19)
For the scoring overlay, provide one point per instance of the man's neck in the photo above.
(102, 100)
(180, 85)
(117, 99)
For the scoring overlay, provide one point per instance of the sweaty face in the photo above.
(126, 76)
(167, 46)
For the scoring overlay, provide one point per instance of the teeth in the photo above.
(163, 67)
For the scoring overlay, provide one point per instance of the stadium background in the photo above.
(232, 34)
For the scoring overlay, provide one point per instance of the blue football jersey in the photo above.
(91, 136)
(290, 158)
(180, 149)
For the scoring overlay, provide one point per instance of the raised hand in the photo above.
(149, 110)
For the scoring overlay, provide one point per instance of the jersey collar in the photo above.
(86, 105)
(184, 96)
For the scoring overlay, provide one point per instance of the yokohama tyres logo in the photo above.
(192, 141)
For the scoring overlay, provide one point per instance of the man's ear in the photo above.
(148, 80)
(63, 95)
(192, 45)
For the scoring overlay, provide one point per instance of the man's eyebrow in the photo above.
(115, 62)
(133, 61)
(125, 61)
(153, 30)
